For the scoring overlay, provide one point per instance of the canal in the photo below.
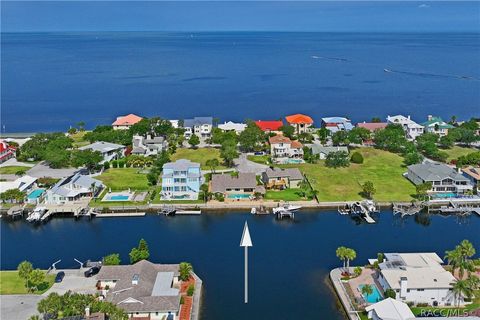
(289, 261)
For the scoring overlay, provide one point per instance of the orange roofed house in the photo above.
(125, 122)
(284, 150)
(300, 122)
(269, 126)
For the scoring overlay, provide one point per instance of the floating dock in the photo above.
(120, 214)
(188, 212)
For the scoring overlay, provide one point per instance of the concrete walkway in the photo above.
(335, 276)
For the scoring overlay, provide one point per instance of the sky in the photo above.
(342, 16)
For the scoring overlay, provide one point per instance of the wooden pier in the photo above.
(285, 214)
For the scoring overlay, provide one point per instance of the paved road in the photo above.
(245, 165)
(18, 307)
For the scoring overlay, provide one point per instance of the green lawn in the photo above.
(13, 169)
(285, 195)
(259, 159)
(456, 151)
(119, 179)
(383, 168)
(200, 155)
(11, 283)
(78, 139)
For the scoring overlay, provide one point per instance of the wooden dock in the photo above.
(120, 214)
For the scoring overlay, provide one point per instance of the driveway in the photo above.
(42, 170)
(75, 281)
(245, 165)
(14, 162)
(18, 306)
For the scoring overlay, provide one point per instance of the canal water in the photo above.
(289, 261)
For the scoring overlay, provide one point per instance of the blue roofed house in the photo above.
(334, 124)
(181, 180)
(200, 126)
(73, 188)
(437, 125)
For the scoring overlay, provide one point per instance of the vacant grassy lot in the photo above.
(78, 139)
(13, 169)
(200, 155)
(285, 195)
(11, 283)
(119, 179)
(259, 159)
(383, 168)
(456, 151)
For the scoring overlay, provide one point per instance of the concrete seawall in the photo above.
(335, 276)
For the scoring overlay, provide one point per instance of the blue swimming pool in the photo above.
(119, 198)
(444, 195)
(238, 196)
(374, 297)
(35, 194)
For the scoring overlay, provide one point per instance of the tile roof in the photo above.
(221, 182)
(372, 126)
(279, 139)
(128, 120)
(269, 125)
(299, 119)
(473, 172)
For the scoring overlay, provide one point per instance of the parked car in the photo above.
(92, 271)
(259, 153)
(59, 277)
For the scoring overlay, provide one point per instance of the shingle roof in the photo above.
(372, 126)
(436, 172)
(473, 172)
(197, 121)
(317, 149)
(299, 119)
(291, 173)
(220, 182)
(129, 119)
(181, 165)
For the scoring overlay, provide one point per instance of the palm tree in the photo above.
(367, 290)
(461, 288)
(351, 255)
(459, 258)
(342, 255)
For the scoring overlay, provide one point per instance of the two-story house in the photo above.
(302, 123)
(181, 180)
(283, 150)
(148, 146)
(334, 124)
(6, 151)
(73, 188)
(125, 122)
(411, 128)
(108, 150)
(436, 125)
(199, 126)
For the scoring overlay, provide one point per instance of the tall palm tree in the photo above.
(342, 255)
(351, 255)
(461, 288)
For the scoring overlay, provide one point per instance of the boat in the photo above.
(36, 215)
(253, 211)
(286, 207)
(370, 206)
(387, 70)
(282, 213)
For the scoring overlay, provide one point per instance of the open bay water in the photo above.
(289, 261)
(50, 81)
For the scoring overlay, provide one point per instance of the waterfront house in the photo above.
(200, 126)
(241, 187)
(109, 151)
(144, 290)
(283, 150)
(417, 278)
(372, 126)
(181, 180)
(73, 188)
(6, 151)
(269, 125)
(232, 126)
(444, 179)
(300, 122)
(125, 122)
(334, 124)
(324, 151)
(472, 174)
(389, 309)
(411, 128)
(277, 178)
(24, 184)
(436, 125)
(148, 146)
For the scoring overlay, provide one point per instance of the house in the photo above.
(324, 151)
(276, 178)
(436, 125)
(181, 180)
(24, 184)
(411, 128)
(372, 126)
(149, 146)
(473, 174)
(444, 179)
(389, 309)
(110, 151)
(125, 122)
(300, 122)
(144, 290)
(200, 126)
(73, 188)
(417, 278)
(282, 149)
(269, 126)
(232, 126)
(241, 187)
(6, 151)
(334, 124)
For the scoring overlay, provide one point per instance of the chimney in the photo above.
(135, 279)
(408, 117)
(429, 117)
(403, 287)
(87, 311)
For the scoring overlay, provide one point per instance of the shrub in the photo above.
(357, 158)
(182, 300)
(357, 271)
(390, 293)
(121, 163)
(106, 165)
(380, 257)
(190, 290)
(219, 196)
(128, 164)
(114, 164)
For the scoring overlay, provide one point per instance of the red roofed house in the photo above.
(6, 152)
(282, 149)
(300, 122)
(269, 126)
(125, 122)
(372, 126)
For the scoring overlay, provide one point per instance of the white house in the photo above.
(200, 126)
(389, 309)
(411, 128)
(24, 183)
(417, 278)
(73, 188)
(109, 151)
(148, 146)
(232, 126)
(282, 149)
(324, 151)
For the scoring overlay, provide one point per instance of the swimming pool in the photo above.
(35, 194)
(117, 197)
(293, 161)
(374, 297)
(444, 195)
(238, 196)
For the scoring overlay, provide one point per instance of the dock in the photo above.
(16, 211)
(120, 214)
(285, 214)
(188, 212)
(368, 218)
(408, 209)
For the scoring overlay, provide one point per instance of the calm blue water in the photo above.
(289, 262)
(53, 80)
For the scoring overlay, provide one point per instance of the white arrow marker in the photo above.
(246, 242)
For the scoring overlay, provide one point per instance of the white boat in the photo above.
(387, 70)
(36, 215)
(253, 211)
(369, 205)
(286, 207)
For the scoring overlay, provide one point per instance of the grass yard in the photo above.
(119, 179)
(456, 151)
(285, 195)
(383, 168)
(259, 159)
(200, 155)
(11, 283)
(78, 139)
(13, 169)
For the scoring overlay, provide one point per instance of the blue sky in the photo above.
(343, 16)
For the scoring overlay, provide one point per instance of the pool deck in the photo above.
(335, 277)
